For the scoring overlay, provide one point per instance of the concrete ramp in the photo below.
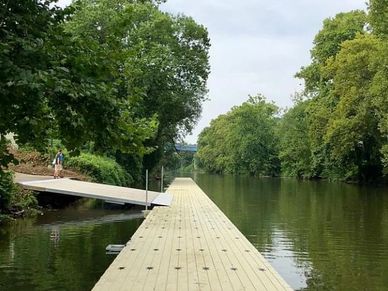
(109, 193)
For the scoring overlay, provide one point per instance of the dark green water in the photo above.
(63, 249)
(317, 235)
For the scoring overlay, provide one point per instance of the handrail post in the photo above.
(161, 180)
(146, 202)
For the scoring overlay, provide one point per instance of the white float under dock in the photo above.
(190, 245)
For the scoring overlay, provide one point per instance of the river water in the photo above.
(317, 235)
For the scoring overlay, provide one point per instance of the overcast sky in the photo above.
(257, 46)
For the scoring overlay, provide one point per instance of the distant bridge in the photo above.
(188, 148)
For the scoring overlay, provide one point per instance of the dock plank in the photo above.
(198, 248)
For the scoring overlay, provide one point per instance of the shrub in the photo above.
(101, 169)
(14, 201)
(7, 189)
(23, 200)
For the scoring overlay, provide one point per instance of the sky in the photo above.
(257, 46)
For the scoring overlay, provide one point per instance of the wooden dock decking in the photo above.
(190, 245)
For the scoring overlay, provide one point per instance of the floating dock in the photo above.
(190, 245)
(108, 193)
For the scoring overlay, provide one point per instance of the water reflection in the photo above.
(318, 235)
(59, 251)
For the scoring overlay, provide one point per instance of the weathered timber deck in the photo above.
(190, 245)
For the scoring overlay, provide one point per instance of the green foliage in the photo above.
(23, 200)
(101, 169)
(352, 135)
(242, 141)
(24, 63)
(294, 145)
(378, 17)
(182, 161)
(106, 73)
(13, 198)
(379, 92)
(346, 116)
(7, 189)
(213, 152)
(319, 86)
(55, 85)
(159, 62)
(327, 43)
(338, 130)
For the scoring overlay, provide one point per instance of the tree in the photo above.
(242, 141)
(51, 83)
(294, 145)
(25, 28)
(160, 61)
(379, 92)
(378, 17)
(352, 135)
(320, 83)
(327, 43)
(213, 153)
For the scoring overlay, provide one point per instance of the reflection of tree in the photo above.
(337, 233)
(339, 226)
(42, 261)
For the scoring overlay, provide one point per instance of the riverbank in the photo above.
(35, 163)
(17, 202)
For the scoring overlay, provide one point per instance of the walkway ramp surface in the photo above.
(191, 245)
(109, 193)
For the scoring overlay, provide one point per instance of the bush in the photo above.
(7, 189)
(101, 169)
(23, 200)
(14, 201)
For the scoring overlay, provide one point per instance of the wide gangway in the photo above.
(190, 245)
(108, 193)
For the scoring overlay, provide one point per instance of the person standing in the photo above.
(58, 165)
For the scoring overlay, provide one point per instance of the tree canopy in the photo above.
(338, 126)
(122, 75)
(242, 141)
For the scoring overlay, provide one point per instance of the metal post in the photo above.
(161, 180)
(146, 208)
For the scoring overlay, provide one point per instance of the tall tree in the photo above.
(352, 134)
(160, 61)
(51, 83)
(378, 17)
(294, 143)
(213, 151)
(327, 43)
(242, 141)
(319, 82)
